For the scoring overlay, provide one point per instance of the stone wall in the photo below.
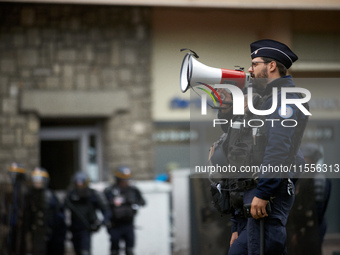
(76, 48)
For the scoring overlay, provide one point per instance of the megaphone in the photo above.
(193, 73)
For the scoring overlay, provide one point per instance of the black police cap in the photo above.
(273, 49)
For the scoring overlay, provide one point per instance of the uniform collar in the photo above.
(284, 81)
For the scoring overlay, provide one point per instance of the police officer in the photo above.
(83, 202)
(12, 211)
(322, 185)
(124, 202)
(45, 217)
(308, 224)
(4, 186)
(270, 61)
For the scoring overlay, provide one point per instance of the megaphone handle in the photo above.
(194, 53)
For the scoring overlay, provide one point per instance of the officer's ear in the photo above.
(272, 66)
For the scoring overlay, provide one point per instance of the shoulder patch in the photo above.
(289, 112)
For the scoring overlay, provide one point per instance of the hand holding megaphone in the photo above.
(227, 100)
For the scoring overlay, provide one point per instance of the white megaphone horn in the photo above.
(193, 73)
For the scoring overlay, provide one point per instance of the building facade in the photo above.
(75, 89)
(88, 87)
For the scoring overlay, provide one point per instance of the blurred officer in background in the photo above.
(322, 186)
(45, 219)
(83, 203)
(4, 186)
(124, 201)
(307, 223)
(13, 192)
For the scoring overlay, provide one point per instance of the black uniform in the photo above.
(124, 203)
(12, 229)
(45, 222)
(83, 205)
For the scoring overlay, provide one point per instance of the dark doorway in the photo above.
(61, 159)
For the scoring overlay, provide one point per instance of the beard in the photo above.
(261, 80)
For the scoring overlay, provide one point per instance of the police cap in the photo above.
(273, 49)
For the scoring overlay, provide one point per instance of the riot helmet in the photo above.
(40, 178)
(123, 173)
(17, 172)
(311, 152)
(80, 180)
